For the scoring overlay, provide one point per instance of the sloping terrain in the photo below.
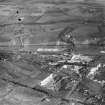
(64, 39)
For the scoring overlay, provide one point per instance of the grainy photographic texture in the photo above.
(52, 52)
